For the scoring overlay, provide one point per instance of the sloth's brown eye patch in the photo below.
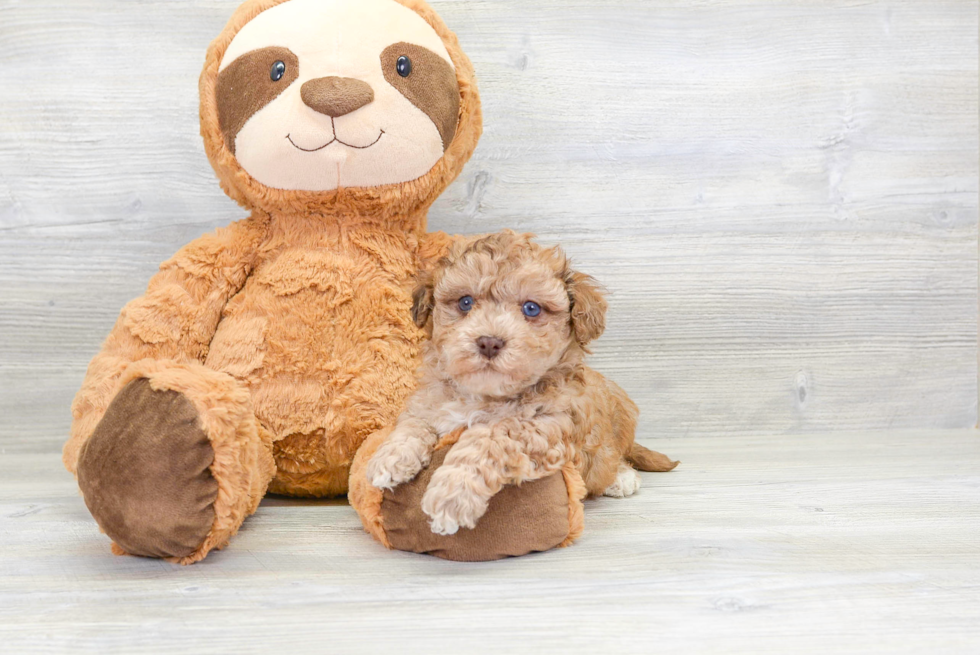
(250, 83)
(428, 81)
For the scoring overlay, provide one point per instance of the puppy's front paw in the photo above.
(451, 503)
(396, 463)
(443, 525)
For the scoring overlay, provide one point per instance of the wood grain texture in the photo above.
(843, 543)
(780, 196)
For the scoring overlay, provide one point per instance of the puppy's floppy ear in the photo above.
(588, 308)
(423, 300)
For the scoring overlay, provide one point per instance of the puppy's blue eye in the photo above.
(465, 303)
(277, 72)
(531, 309)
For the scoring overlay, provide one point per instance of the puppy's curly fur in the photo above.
(523, 400)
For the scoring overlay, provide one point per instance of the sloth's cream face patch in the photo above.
(319, 94)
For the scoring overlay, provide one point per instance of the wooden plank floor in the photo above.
(836, 543)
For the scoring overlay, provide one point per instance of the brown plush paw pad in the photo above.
(145, 473)
(529, 518)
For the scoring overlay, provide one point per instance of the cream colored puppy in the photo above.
(509, 324)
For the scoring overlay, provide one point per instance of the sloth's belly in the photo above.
(325, 342)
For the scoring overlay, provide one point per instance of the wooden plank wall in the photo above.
(781, 195)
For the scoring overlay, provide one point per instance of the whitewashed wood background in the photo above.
(781, 195)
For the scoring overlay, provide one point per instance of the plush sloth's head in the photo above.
(360, 106)
(503, 312)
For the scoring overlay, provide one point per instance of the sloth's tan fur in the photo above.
(524, 413)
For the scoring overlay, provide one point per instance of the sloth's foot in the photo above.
(145, 473)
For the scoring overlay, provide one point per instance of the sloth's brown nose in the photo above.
(490, 347)
(336, 96)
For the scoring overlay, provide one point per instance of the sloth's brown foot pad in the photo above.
(532, 517)
(520, 520)
(145, 473)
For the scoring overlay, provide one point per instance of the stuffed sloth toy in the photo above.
(263, 356)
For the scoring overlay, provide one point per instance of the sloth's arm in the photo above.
(433, 246)
(175, 320)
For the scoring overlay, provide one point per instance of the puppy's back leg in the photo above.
(627, 482)
(625, 413)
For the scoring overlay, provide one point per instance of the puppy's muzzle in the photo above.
(490, 347)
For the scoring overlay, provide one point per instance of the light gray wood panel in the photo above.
(780, 196)
(842, 543)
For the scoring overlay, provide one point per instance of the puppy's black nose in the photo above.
(490, 347)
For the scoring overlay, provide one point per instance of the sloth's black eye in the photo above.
(404, 66)
(278, 70)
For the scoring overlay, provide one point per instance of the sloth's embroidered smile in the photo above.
(334, 140)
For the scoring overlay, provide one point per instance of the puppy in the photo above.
(510, 322)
